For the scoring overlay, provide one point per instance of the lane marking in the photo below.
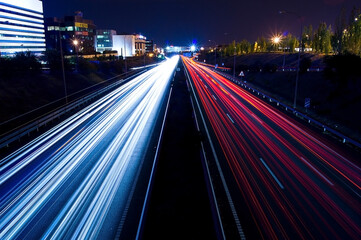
(230, 118)
(214, 97)
(151, 178)
(273, 175)
(257, 118)
(315, 170)
(208, 172)
(228, 194)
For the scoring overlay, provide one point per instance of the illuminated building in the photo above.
(71, 28)
(140, 44)
(124, 45)
(149, 46)
(21, 27)
(104, 40)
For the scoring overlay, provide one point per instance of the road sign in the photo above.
(307, 102)
(241, 74)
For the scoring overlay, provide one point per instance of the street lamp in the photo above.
(76, 43)
(62, 65)
(299, 54)
(276, 40)
(234, 61)
(215, 52)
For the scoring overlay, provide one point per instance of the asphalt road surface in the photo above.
(292, 181)
(77, 180)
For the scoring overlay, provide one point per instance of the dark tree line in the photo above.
(343, 38)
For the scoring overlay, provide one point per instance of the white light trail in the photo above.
(98, 150)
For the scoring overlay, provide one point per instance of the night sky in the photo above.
(180, 22)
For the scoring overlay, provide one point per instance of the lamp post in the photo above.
(299, 54)
(76, 45)
(215, 53)
(234, 61)
(276, 40)
(62, 65)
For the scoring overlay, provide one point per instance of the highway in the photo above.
(76, 181)
(292, 181)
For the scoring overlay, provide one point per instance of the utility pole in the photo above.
(234, 61)
(299, 54)
(298, 69)
(62, 66)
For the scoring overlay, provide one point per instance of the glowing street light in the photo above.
(276, 40)
(76, 43)
(193, 48)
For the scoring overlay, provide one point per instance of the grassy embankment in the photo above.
(23, 92)
(335, 90)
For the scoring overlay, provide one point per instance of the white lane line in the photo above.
(314, 169)
(208, 172)
(230, 118)
(214, 97)
(273, 175)
(146, 199)
(225, 186)
(257, 118)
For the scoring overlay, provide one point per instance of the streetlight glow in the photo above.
(276, 39)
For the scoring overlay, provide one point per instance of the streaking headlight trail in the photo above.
(73, 181)
(296, 184)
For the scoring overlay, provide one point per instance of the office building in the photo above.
(124, 45)
(139, 44)
(104, 40)
(71, 28)
(149, 46)
(21, 27)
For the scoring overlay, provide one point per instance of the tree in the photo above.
(53, 58)
(338, 42)
(261, 44)
(26, 62)
(307, 37)
(322, 39)
(244, 47)
(353, 34)
(290, 43)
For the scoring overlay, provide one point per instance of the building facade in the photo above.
(124, 45)
(149, 46)
(69, 30)
(104, 40)
(140, 44)
(21, 27)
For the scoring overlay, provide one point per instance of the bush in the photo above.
(305, 64)
(23, 63)
(53, 58)
(86, 67)
(342, 68)
(26, 63)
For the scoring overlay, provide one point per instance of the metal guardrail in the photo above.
(17, 134)
(298, 114)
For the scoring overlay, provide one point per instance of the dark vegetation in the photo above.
(26, 84)
(332, 82)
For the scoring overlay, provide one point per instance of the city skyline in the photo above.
(192, 21)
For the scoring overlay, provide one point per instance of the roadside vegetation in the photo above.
(27, 83)
(342, 38)
(330, 70)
